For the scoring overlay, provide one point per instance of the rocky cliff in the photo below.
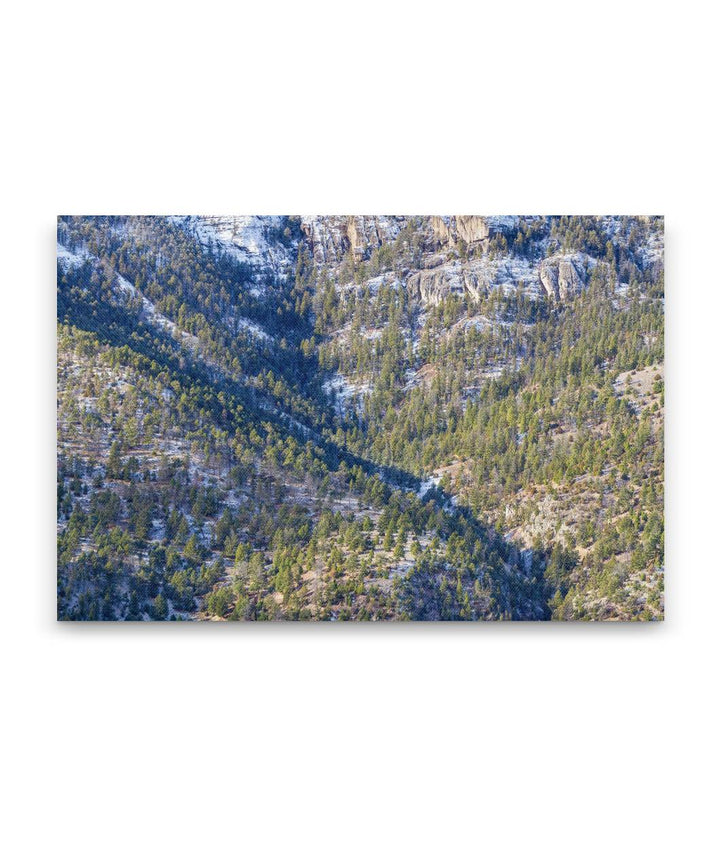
(562, 276)
(449, 231)
(331, 238)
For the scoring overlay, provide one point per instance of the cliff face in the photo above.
(330, 238)
(448, 231)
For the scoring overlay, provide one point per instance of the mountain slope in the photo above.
(359, 417)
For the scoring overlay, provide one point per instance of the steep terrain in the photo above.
(360, 417)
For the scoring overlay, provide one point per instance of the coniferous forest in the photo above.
(360, 418)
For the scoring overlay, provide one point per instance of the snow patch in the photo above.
(428, 485)
(255, 329)
(345, 393)
(71, 258)
(250, 240)
(500, 223)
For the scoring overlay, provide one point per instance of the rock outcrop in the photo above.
(431, 286)
(448, 231)
(474, 230)
(562, 276)
(331, 238)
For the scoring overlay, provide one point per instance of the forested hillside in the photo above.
(360, 418)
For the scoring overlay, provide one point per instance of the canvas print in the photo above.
(360, 418)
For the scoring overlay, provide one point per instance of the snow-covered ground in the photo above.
(482, 322)
(253, 328)
(345, 393)
(71, 258)
(248, 239)
(501, 222)
(428, 485)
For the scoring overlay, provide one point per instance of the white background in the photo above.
(358, 739)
